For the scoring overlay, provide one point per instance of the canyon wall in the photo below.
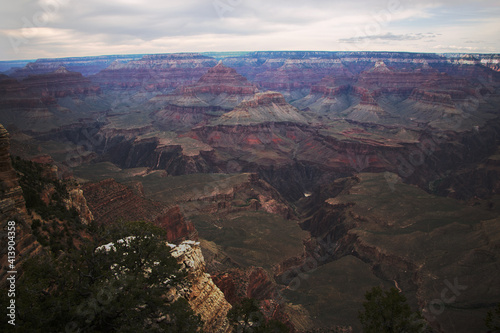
(13, 208)
(110, 201)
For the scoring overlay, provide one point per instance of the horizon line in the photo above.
(243, 52)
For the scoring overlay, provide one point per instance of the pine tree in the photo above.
(119, 290)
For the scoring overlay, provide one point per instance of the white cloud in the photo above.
(72, 28)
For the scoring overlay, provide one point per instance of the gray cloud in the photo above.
(149, 26)
(388, 37)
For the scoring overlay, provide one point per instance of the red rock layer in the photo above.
(221, 79)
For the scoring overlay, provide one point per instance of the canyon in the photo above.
(305, 178)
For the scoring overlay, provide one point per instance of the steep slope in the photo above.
(110, 201)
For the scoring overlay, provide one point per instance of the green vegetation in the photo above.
(119, 290)
(388, 312)
(33, 180)
(492, 320)
(52, 230)
(247, 317)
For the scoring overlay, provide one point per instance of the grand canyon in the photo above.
(301, 179)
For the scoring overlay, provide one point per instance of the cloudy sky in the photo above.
(31, 29)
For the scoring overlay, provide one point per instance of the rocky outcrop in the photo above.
(13, 208)
(204, 297)
(13, 201)
(257, 283)
(78, 202)
(109, 201)
(263, 197)
(197, 287)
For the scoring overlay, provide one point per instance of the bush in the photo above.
(492, 320)
(36, 224)
(388, 312)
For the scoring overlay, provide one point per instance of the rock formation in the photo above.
(162, 72)
(262, 108)
(204, 297)
(217, 91)
(109, 201)
(77, 201)
(13, 208)
(246, 156)
(221, 79)
(198, 288)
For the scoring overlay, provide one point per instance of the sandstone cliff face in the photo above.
(109, 201)
(204, 297)
(12, 208)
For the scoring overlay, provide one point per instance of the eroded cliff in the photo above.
(109, 201)
(204, 297)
